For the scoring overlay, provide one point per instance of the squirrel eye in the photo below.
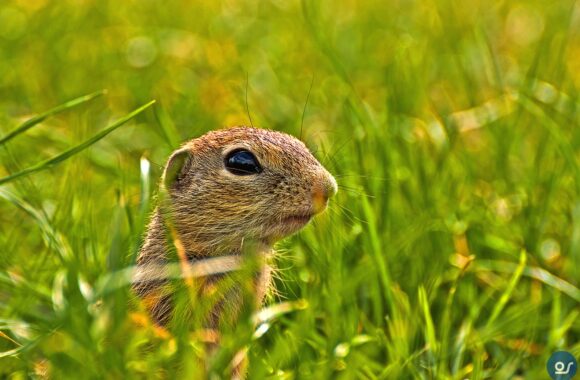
(242, 162)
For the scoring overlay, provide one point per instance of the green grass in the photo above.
(452, 250)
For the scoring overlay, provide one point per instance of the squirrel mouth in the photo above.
(286, 225)
(293, 223)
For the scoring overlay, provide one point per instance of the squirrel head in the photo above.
(241, 183)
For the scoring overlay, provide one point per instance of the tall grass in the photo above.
(452, 250)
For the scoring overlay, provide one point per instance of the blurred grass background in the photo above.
(452, 250)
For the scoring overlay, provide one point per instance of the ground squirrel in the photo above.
(226, 191)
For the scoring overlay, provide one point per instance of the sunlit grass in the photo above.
(451, 251)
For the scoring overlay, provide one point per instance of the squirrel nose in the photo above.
(323, 190)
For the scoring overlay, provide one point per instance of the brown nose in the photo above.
(323, 190)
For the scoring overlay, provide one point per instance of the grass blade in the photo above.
(52, 238)
(378, 256)
(144, 203)
(510, 288)
(536, 273)
(72, 151)
(40, 118)
(429, 325)
(555, 130)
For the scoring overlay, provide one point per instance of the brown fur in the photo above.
(213, 212)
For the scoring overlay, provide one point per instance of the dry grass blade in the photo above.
(154, 272)
(539, 274)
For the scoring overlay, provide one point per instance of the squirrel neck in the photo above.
(155, 253)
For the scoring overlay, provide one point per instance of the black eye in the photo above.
(242, 162)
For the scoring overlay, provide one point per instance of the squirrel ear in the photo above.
(176, 168)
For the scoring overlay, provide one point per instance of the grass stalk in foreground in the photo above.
(43, 116)
(46, 164)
